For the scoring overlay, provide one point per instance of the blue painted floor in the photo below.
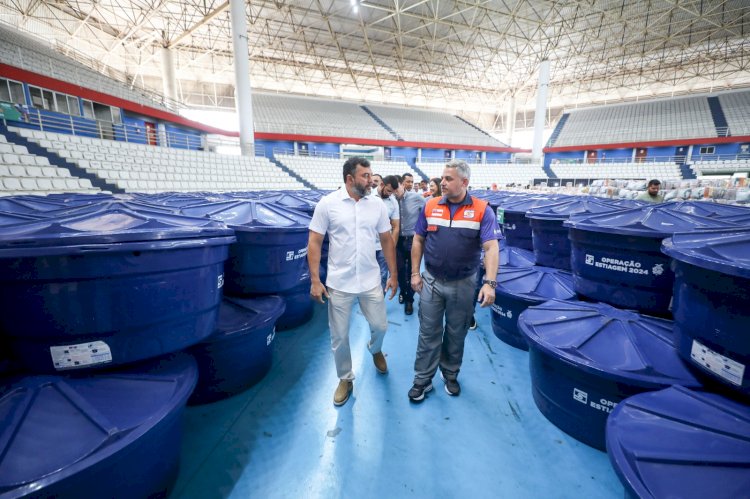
(284, 437)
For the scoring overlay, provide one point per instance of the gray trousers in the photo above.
(340, 304)
(441, 342)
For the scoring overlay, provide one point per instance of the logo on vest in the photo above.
(469, 214)
(437, 212)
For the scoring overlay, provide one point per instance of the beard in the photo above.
(362, 190)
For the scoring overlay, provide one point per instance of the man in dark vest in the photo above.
(450, 233)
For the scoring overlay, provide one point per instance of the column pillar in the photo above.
(243, 92)
(511, 119)
(541, 111)
(168, 74)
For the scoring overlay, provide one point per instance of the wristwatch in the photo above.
(492, 284)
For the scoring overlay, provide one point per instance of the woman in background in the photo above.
(434, 191)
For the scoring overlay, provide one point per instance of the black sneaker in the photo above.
(473, 323)
(417, 392)
(452, 387)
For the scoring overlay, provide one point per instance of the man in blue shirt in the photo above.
(450, 233)
(410, 204)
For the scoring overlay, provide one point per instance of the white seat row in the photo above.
(15, 184)
(663, 119)
(33, 171)
(157, 169)
(484, 175)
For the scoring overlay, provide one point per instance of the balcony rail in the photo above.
(132, 133)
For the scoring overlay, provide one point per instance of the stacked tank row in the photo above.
(115, 317)
(635, 320)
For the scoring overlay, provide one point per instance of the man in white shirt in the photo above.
(352, 220)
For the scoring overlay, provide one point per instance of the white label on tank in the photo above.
(291, 255)
(271, 336)
(508, 314)
(718, 364)
(620, 265)
(77, 356)
(220, 281)
(580, 396)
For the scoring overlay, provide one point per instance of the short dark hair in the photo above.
(653, 182)
(351, 165)
(391, 180)
(407, 174)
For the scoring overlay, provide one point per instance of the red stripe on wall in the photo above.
(379, 142)
(652, 143)
(73, 89)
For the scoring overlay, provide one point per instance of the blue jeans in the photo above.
(383, 268)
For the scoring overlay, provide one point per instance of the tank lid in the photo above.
(15, 218)
(511, 256)
(578, 205)
(648, 221)
(252, 215)
(681, 443)
(600, 339)
(536, 283)
(526, 203)
(55, 426)
(709, 209)
(116, 225)
(723, 250)
(237, 315)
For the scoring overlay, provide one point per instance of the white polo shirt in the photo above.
(352, 227)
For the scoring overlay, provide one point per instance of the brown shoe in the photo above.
(342, 392)
(380, 364)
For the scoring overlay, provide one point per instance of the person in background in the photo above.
(377, 179)
(408, 181)
(652, 194)
(434, 191)
(423, 186)
(387, 192)
(352, 219)
(451, 232)
(410, 204)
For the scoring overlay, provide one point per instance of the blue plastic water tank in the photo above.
(550, 237)
(711, 297)
(616, 257)
(513, 256)
(291, 200)
(299, 305)
(585, 358)
(116, 434)
(709, 209)
(511, 215)
(15, 218)
(109, 287)
(520, 288)
(240, 351)
(271, 251)
(681, 443)
(39, 205)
